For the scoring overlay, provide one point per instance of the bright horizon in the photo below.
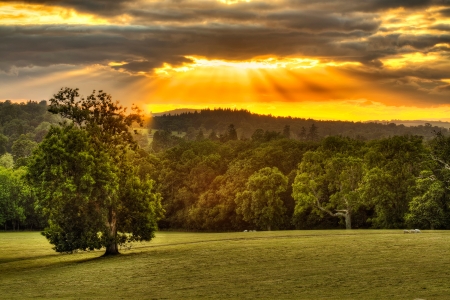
(324, 60)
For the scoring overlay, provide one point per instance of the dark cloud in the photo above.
(442, 27)
(156, 45)
(318, 21)
(445, 88)
(445, 12)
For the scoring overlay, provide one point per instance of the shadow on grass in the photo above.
(46, 256)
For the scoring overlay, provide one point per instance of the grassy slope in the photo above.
(286, 264)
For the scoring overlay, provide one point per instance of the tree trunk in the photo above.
(348, 221)
(268, 227)
(112, 248)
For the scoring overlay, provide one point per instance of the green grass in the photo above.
(337, 264)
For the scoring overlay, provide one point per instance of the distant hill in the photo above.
(246, 123)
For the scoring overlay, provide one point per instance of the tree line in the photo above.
(246, 123)
(282, 183)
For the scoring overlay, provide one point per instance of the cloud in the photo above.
(100, 7)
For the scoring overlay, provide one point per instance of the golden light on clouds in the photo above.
(21, 14)
(409, 59)
(217, 82)
(404, 21)
(246, 65)
(229, 2)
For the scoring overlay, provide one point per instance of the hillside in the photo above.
(246, 123)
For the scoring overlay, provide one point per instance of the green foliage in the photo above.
(22, 148)
(3, 144)
(88, 181)
(429, 208)
(260, 204)
(163, 139)
(200, 180)
(345, 177)
(15, 195)
(392, 165)
(17, 119)
(329, 183)
(7, 161)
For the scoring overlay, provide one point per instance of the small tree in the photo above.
(261, 203)
(313, 134)
(87, 178)
(287, 131)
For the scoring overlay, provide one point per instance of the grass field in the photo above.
(337, 264)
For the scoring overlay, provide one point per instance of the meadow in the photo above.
(326, 264)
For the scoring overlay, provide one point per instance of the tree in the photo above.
(87, 178)
(7, 161)
(230, 135)
(287, 131)
(258, 135)
(393, 165)
(261, 203)
(313, 134)
(429, 207)
(328, 185)
(14, 194)
(3, 144)
(302, 134)
(22, 148)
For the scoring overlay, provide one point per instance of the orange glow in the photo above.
(254, 64)
(259, 80)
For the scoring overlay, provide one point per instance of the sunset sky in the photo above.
(334, 59)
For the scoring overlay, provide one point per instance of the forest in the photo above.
(227, 170)
(246, 123)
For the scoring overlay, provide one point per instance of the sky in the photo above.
(326, 60)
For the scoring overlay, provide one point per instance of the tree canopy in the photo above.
(87, 176)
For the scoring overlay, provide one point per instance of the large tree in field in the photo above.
(87, 178)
